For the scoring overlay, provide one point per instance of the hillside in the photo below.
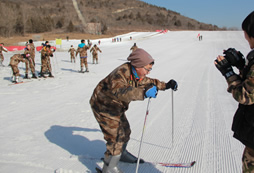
(19, 17)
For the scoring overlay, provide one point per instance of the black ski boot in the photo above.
(34, 76)
(128, 157)
(50, 74)
(26, 76)
(42, 75)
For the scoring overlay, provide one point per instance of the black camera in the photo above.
(235, 58)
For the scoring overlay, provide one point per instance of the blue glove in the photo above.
(151, 92)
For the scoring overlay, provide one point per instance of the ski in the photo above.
(176, 165)
(16, 83)
(172, 165)
(165, 164)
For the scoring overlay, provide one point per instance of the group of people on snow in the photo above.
(28, 57)
(82, 51)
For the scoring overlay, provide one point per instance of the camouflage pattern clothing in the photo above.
(248, 160)
(242, 88)
(72, 54)
(1, 54)
(94, 51)
(14, 62)
(29, 62)
(45, 60)
(83, 55)
(32, 52)
(111, 99)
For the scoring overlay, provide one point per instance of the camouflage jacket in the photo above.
(32, 52)
(72, 51)
(28, 53)
(94, 50)
(15, 59)
(45, 53)
(242, 88)
(114, 93)
(82, 51)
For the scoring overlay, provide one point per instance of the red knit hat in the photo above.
(140, 58)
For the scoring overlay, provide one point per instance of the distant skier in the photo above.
(110, 101)
(14, 62)
(94, 51)
(134, 47)
(1, 53)
(72, 51)
(46, 53)
(242, 88)
(82, 50)
(29, 62)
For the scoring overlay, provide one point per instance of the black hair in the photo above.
(30, 41)
(48, 46)
(23, 55)
(248, 24)
(82, 41)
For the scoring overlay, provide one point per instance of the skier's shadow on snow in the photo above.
(86, 151)
(71, 70)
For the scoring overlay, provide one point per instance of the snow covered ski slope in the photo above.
(47, 125)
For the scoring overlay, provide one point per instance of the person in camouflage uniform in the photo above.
(14, 62)
(72, 51)
(242, 88)
(82, 50)
(111, 98)
(30, 62)
(1, 53)
(32, 52)
(134, 47)
(46, 53)
(94, 51)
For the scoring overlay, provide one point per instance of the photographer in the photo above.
(242, 88)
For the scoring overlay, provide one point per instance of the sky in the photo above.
(223, 13)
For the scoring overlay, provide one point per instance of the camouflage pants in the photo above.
(73, 58)
(95, 58)
(116, 131)
(30, 64)
(248, 160)
(45, 65)
(83, 60)
(15, 70)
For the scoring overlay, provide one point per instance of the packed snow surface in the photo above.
(47, 124)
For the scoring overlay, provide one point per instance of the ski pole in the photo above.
(172, 118)
(141, 141)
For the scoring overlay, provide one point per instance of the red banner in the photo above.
(15, 48)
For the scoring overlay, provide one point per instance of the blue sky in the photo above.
(223, 13)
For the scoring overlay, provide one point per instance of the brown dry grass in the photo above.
(12, 41)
